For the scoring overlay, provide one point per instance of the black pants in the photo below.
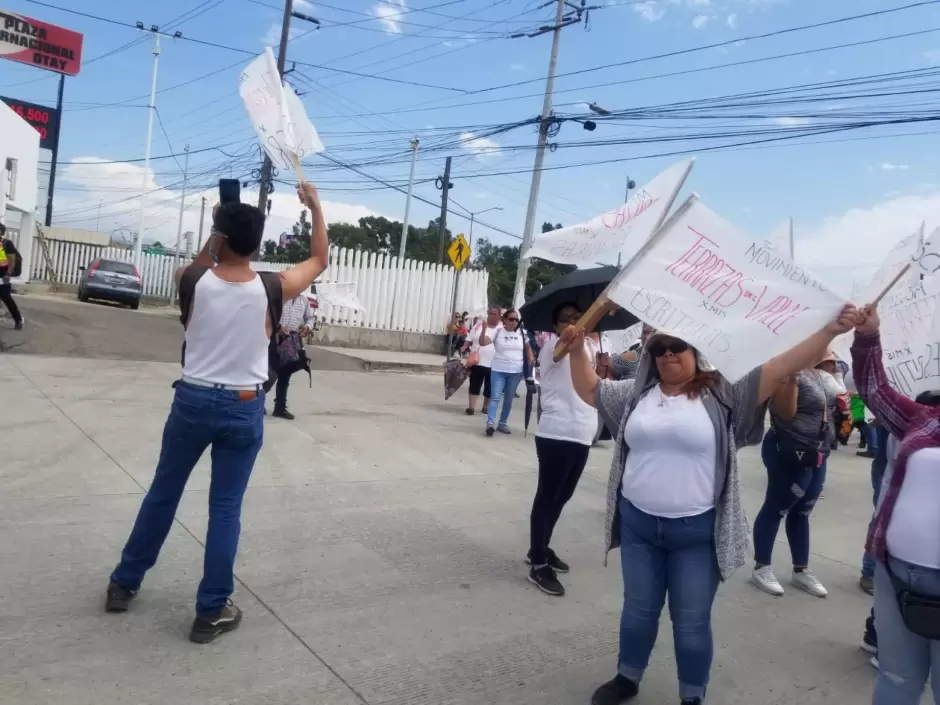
(280, 389)
(560, 466)
(6, 295)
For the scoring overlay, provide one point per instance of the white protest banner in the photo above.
(927, 256)
(910, 343)
(621, 231)
(897, 259)
(781, 239)
(276, 113)
(340, 294)
(733, 298)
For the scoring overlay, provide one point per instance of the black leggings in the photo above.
(480, 379)
(560, 466)
(6, 295)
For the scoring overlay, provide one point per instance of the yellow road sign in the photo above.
(459, 251)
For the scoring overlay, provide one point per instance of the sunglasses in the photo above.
(512, 320)
(675, 347)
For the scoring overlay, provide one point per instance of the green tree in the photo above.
(502, 261)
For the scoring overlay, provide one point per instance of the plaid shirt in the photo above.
(296, 313)
(917, 427)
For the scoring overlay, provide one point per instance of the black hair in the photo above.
(557, 311)
(929, 398)
(241, 225)
(509, 311)
(3, 229)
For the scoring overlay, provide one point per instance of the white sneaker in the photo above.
(805, 580)
(875, 664)
(765, 579)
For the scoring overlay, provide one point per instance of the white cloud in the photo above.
(303, 6)
(108, 182)
(791, 121)
(272, 38)
(700, 3)
(700, 21)
(732, 20)
(388, 15)
(516, 67)
(651, 11)
(933, 56)
(481, 147)
(889, 166)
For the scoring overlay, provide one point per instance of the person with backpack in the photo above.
(230, 314)
(11, 265)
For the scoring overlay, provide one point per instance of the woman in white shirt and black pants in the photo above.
(510, 354)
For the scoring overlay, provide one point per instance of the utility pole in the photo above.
(630, 185)
(138, 244)
(202, 217)
(411, 180)
(98, 221)
(522, 272)
(445, 188)
(792, 250)
(179, 228)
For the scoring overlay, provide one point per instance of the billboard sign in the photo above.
(44, 120)
(47, 46)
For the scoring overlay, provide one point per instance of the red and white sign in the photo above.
(47, 46)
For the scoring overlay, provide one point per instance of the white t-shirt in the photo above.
(670, 469)
(914, 530)
(487, 351)
(565, 417)
(509, 347)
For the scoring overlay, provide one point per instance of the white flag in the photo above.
(339, 294)
(276, 113)
(927, 256)
(900, 256)
(736, 300)
(618, 232)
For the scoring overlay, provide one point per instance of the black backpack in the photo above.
(275, 294)
(10, 249)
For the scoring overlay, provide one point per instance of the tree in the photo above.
(502, 261)
(548, 227)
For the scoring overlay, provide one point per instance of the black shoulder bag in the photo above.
(800, 454)
(921, 613)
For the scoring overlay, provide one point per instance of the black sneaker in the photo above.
(283, 414)
(691, 701)
(544, 579)
(119, 598)
(553, 560)
(469, 412)
(206, 629)
(490, 430)
(614, 692)
(18, 325)
(870, 639)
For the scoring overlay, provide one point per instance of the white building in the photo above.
(19, 188)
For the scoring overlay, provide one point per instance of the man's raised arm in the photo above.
(297, 279)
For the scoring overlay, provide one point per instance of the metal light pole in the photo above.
(473, 217)
(411, 180)
(202, 217)
(179, 227)
(523, 270)
(138, 244)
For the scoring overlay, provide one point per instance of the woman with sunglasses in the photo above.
(904, 537)
(511, 353)
(673, 499)
(795, 451)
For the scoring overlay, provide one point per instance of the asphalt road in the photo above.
(64, 327)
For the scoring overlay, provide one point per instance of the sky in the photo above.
(377, 73)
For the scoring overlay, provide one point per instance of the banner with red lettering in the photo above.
(735, 299)
(40, 44)
(621, 231)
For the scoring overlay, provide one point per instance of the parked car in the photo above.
(110, 280)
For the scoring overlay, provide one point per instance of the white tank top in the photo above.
(914, 530)
(226, 337)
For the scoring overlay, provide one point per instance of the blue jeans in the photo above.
(792, 492)
(905, 660)
(674, 557)
(503, 386)
(878, 467)
(199, 417)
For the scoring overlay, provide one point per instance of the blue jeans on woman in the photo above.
(675, 558)
(503, 386)
(905, 659)
(792, 492)
(199, 417)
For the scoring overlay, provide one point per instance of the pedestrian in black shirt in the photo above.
(11, 264)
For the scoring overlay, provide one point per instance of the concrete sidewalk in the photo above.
(389, 360)
(380, 561)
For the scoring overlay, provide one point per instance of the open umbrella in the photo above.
(455, 372)
(581, 287)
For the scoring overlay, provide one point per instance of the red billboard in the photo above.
(40, 44)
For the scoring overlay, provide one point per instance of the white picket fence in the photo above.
(415, 297)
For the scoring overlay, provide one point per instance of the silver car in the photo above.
(109, 280)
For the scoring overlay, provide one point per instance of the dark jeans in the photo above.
(200, 417)
(674, 557)
(6, 295)
(560, 466)
(792, 492)
(878, 466)
(280, 388)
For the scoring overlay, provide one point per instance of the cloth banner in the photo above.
(339, 294)
(736, 300)
(621, 231)
(276, 113)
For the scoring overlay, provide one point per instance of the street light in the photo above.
(473, 216)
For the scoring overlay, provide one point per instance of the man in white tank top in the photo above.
(229, 312)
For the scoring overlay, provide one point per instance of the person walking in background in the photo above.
(674, 493)
(295, 325)
(625, 365)
(512, 359)
(11, 265)
(480, 370)
(566, 430)
(229, 313)
(904, 538)
(794, 451)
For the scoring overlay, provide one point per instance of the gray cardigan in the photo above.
(738, 420)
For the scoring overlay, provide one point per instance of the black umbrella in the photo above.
(531, 389)
(581, 287)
